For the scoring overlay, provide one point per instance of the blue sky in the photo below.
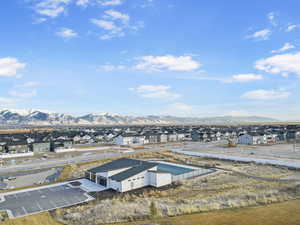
(141, 57)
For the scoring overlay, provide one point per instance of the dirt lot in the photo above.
(235, 185)
(279, 151)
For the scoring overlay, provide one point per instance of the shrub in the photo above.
(153, 210)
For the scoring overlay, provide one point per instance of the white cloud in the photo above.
(148, 3)
(82, 3)
(66, 33)
(181, 107)
(29, 84)
(167, 62)
(105, 24)
(260, 35)
(109, 67)
(51, 8)
(25, 90)
(262, 94)
(285, 47)
(292, 27)
(113, 29)
(116, 15)
(110, 2)
(39, 20)
(6, 100)
(9, 67)
(271, 18)
(246, 77)
(156, 91)
(115, 24)
(27, 94)
(280, 64)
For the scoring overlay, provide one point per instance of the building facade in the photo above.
(128, 174)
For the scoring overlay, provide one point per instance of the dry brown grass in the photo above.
(67, 172)
(286, 213)
(36, 219)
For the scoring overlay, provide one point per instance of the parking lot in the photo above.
(29, 202)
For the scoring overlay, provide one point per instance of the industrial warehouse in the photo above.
(128, 174)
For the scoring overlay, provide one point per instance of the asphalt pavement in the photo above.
(43, 199)
(30, 165)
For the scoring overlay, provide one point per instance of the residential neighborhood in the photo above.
(37, 141)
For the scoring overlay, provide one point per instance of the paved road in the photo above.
(86, 158)
(61, 162)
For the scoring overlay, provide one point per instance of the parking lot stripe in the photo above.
(78, 199)
(38, 205)
(65, 200)
(24, 210)
(52, 203)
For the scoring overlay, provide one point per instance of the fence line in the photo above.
(194, 173)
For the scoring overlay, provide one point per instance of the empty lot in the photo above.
(285, 152)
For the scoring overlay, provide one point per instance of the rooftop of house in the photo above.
(117, 164)
(133, 171)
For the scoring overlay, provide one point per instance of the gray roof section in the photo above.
(133, 171)
(117, 164)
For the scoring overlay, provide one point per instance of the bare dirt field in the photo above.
(284, 152)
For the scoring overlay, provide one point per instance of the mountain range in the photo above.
(39, 117)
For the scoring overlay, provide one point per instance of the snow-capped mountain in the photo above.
(38, 117)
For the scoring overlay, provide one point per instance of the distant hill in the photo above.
(37, 117)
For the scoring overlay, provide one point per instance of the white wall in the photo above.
(163, 179)
(159, 179)
(114, 185)
(15, 155)
(137, 181)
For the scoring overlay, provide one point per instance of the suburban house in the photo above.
(42, 146)
(252, 139)
(128, 174)
(163, 138)
(61, 144)
(172, 137)
(2, 147)
(17, 147)
(129, 139)
(152, 138)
